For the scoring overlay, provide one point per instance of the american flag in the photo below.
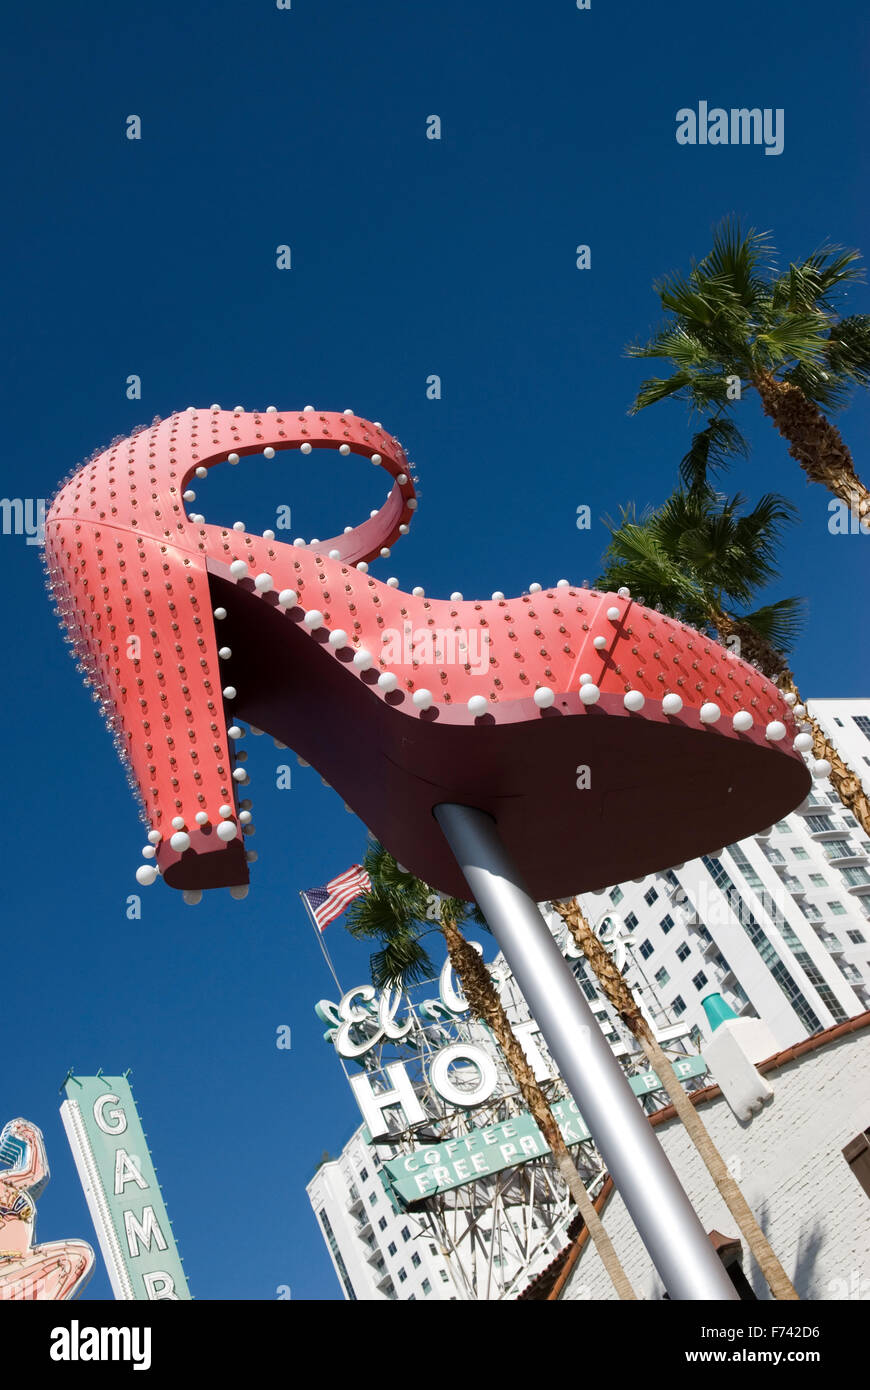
(330, 902)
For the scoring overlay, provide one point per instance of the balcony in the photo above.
(355, 1201)
(844, 858)
(832, 944)
(776, 858)
(708, 948)
(813, 806)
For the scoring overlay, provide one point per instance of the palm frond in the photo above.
(711, 450)
(401, 961)
(780, 623)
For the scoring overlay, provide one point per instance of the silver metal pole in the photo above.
(658, 1206)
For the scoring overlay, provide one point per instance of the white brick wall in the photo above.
(789, 1163)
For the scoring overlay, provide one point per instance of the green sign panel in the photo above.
(121, 1188)
(426, 1172)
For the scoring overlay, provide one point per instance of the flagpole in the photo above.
(319, 934)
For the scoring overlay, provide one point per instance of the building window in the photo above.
(838, 722)
(799, 853)
(403, 1274)
(646, 949)
(377, 1160)
(391, 1248)
(699, 980)
(336, 1255)
(863, 722)
(837, 909)
(679, 1005)
(819, 880)
(406, 1234)
(372, 1198)
(630, 921)
(855, 877)
(382, 1224)
(662, 977)
(784, 827)
(666, 923)
(616, 895)
(433, 1248)
(650, 896)
(363, 1174)
(857, 938)
(415, 1259)
(683, 952)
(444, 1275)
(426, 1286)
(810, 911)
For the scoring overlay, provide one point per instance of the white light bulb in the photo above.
(263, 582)
(742, 721)
(633, 700)
(544, 697)
(589, 692)
(672, 703)
(226, 830)
(709, 712)
(422, 698)
(238, 569)
(146, 874)
(313, 618)
(388, 681)
(477, 705)
(180, 841)
(775, 730)
(363, 659)
(288, 598)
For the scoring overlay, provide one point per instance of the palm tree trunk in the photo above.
(755, 648)
(485, 1004)
(816, 444)
(622, 999)
(847, 786)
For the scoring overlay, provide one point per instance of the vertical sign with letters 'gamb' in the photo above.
(120, 1184)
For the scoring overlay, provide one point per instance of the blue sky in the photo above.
(410, 257)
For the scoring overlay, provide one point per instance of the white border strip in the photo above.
(119, 1275)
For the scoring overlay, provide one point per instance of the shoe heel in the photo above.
(161, 696)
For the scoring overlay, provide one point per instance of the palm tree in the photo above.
(620, 996)
(703, 559)
(735, 323)
(397, 912)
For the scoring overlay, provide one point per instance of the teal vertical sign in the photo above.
(121, 1188)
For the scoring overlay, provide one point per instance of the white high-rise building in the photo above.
(378, 1252)
(778, 924)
